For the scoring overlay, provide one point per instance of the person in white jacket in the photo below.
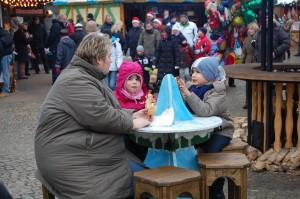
(188, 29)
(116, 61)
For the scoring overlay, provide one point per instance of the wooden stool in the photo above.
(167, 183)
(236, 146)
(47, 194)
(231, 165)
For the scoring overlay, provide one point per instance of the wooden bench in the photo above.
(47, 194)
(236, 146)
(167, 183)
(230, 165)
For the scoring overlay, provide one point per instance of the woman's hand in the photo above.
(140, 123)
(182, 87)
(141, 114)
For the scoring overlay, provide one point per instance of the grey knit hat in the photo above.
(140, 48)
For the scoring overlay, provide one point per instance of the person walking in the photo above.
(6, 49)
(188, 29)
(149, 39)
(65, 51)
(78, 35)
(248, 54)
(53, 40)
(108, 23)
(281, 43)
(133, 36)
(167, 56)
(38, 42)
(22, 40)
(116, 61)
(202, 45)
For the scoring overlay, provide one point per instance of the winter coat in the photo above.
(21, 46)
(122, 39)
(178, 39)
(39, 36)
(54, 36)
(65, 51)
(167, 57)
(71, 28)
(146, 63)
(106, 28)
(186, 56)
(189, 31)
(6, 43)
(281, 43)
(133, 39)
(203, 45)
(126, 70)
(150, 41)
(79, 141)
(248, 50)
(77, 36)
(213, 104)
(116, 56)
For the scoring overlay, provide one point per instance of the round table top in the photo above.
(198, 124)
(253, 72)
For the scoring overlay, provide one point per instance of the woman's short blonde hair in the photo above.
(93, 47)
(117, 27)
(253, 26)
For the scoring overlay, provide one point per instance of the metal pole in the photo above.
(269, 117)
(297, 4)
(270, 36)
(263, 34)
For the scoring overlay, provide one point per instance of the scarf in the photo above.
(133, 96)
(200, 91)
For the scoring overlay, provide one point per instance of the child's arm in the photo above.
(214, 105)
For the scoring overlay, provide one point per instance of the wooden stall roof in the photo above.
(253, 72)
(68, 2)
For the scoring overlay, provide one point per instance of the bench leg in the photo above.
(46, 193)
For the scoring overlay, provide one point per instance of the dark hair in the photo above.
(148, 22)
(168, 30)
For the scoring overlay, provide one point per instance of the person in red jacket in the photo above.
(203, 44)
(131, 91)
(71, 27)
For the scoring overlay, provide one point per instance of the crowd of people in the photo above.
(165, 45)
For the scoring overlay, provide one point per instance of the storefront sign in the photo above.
(29, 11)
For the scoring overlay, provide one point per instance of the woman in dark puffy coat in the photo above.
(167, 55)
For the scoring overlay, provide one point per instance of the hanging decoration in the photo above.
(25, 3)
(227, 21)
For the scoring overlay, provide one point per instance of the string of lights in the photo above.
(25, 3)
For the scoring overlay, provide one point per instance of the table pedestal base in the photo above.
(183, 158)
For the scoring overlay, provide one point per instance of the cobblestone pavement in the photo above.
(18, 119)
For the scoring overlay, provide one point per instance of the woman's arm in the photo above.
(88, 106)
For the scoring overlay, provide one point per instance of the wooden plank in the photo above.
(265, 117)
(289, 121)
(223, 160)
(166, 176)
(278, 118)
(298, 122)
(252, 72)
